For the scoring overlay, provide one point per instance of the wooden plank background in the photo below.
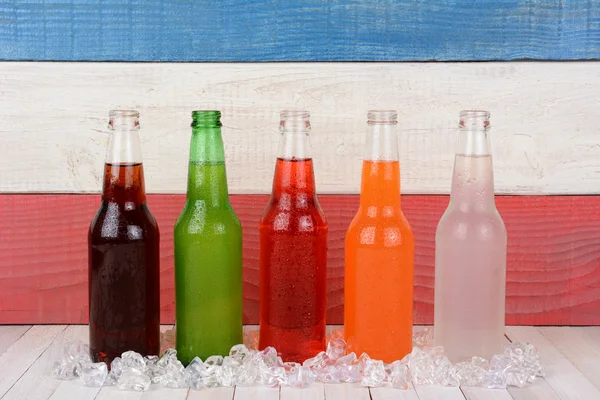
(310, 30)
(553, 255)
(544, 133)
(545, 123)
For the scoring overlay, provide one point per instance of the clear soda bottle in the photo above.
(470, 252)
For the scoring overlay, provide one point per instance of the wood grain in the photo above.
(314, 30)
(18, 358)
(553, 255)
(562, 376)
(544, 121)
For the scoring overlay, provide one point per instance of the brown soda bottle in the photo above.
(123, 245)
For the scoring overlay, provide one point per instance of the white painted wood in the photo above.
(439, 393)
(477, 393)
(221, 393)
(18, 358)
(346, 391)
(9, 334)
(74, 390)
(113, 393)
(313, 392)
(589, 333)
(256, 392)
(157, 392)
(37, 382)
(582, 353)
(538, 390)
(564, 378)
(387, 392)
(544, 115)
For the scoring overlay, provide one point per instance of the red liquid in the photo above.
(293, 265)
(123, 268)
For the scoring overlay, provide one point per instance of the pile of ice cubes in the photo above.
(425, 365)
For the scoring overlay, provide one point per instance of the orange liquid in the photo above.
(379, 272)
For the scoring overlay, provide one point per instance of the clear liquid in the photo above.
(470, 265)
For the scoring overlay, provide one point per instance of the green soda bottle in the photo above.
(208, 251)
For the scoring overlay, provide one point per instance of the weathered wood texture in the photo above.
(553, 255)
(311, 30)
(544, 134)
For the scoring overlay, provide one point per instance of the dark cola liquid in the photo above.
(123, 268)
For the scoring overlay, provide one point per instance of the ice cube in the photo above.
(470, 374)
(131, 359)
(173, 374)
(421, 367)
(400, 376)
(269, 357)
(228, 373)
(373, 374)
(516, 376)
(480, 362)
(66, 369)
(441, 373)
(238, 352)
(134, 379)
(336, 348)
(193, 374)
(249, 372)
(94, 375)
(78, 352)
(317, 362)
(299, 376)
(494, 379)
(348, 370)
(271, 375)
(327, 374)
(210, 371)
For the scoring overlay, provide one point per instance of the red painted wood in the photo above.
(553, 260)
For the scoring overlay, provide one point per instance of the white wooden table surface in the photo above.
(571, 356)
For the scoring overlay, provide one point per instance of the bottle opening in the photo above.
(125, 119)
(206, 118)
(474, 119)
(382, 117)
(294, 114)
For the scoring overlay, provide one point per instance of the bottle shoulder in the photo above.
(119, 222)
(481, 226)
(196, 218)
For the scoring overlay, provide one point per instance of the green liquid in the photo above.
(208, 267)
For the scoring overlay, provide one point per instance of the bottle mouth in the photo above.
(474, 114)
(123, 114)
(382, 117)
(294, 114)
(206, 118)
(474, 119)
(124, 119)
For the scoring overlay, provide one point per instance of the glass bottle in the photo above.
(208, 251)
(470, 252)
(379, 250)
(123, 243)
(293, 250)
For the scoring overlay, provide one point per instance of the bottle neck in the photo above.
(207, 178)
(123, 172)
(380, 181)
(473, 177)
(294, 170)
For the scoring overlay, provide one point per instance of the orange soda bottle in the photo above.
(379, 270)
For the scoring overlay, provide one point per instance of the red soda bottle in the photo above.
(293, 250)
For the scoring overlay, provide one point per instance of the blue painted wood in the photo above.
(307, 30)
